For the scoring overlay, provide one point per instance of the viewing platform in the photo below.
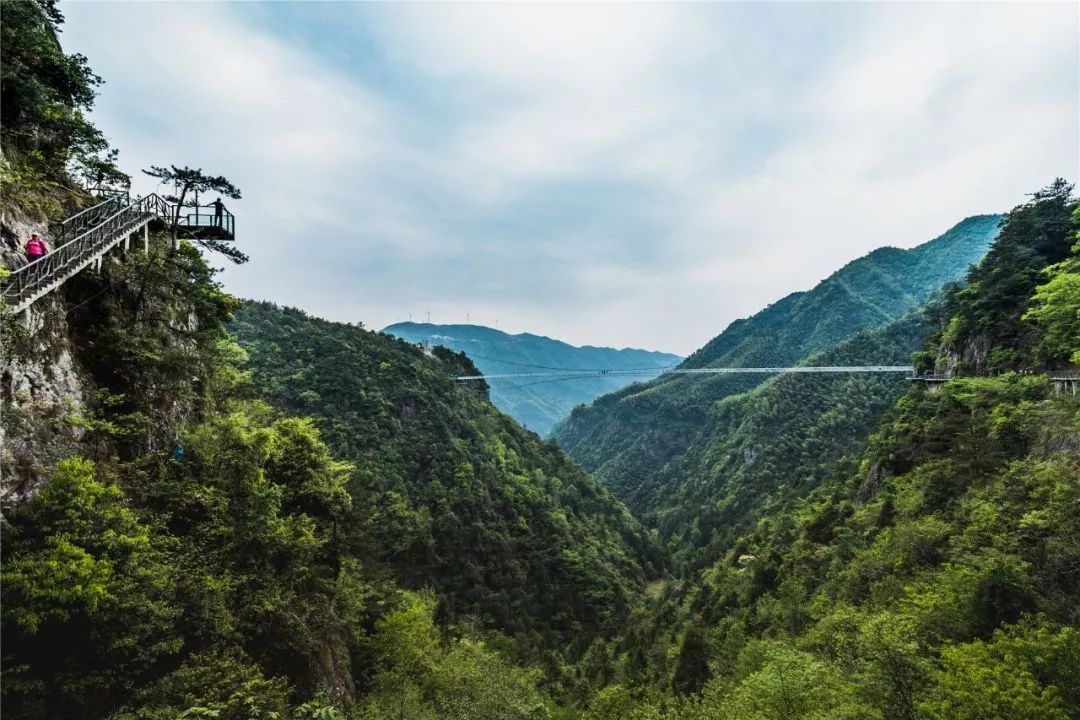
(202, 222)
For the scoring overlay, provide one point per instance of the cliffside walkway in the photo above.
(84, 238)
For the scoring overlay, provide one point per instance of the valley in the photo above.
(537, 405)
(219, 508)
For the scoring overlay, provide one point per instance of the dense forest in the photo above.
(244, 512)
(448, 491)
(632, 434)
(925, 571)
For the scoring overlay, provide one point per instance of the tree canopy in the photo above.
(45, 94)
(187, 183)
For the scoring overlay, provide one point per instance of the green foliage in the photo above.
(976, 684)
(214, 684)
(187, 181)
(616, 702)
(212, 584)
(422, 676)
(81, 572)
(150, 329)
(986, 330)
(691, 670)
(1030, 670)
(780, 682)
(44, 95)
(449, 493)
(1055, 308)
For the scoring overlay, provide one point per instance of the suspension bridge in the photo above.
(1063, 380)
(573, 374)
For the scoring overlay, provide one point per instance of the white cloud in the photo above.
(608, 174)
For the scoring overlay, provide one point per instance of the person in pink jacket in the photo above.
(35, 248)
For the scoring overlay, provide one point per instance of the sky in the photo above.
(627, 175)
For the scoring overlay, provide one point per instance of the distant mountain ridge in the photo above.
(627, 437)
(537, 405)
(871, 291)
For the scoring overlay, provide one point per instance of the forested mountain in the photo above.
(236, 511)
(448, 491)
(631, 434)
(537, 405)
(774, 442)
(201, 554)
(929, 574)
(175, 546)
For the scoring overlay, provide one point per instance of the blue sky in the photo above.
(626, 175)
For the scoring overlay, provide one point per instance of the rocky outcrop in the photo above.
(873, 483)
(43, 390)
(970, 359)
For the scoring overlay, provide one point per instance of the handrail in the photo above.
(24, 281)
(91, 232)
(40, 275)
(1059, 375)
(210, 219)
(92, 215)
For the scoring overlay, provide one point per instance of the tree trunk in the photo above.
(176, 216)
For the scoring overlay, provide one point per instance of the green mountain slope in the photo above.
(987, 331)
(449, 492)
(538, 406)
(775, 442)
(200, 554)
(630, 435)
(929, 574)
(176, 547)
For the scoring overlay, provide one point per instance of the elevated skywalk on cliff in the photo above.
(84, 238)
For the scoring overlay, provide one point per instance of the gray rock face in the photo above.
(43, 392)
(14, 232)
(974, 357)
(872, 485)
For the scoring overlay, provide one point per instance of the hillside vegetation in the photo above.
(205, 555)
(632, 434)
(191, 551)
(929, 572)
(537, 404)
(448, 491)
(235, 511)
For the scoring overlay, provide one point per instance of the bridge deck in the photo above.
(656, 372)
(1070, 376)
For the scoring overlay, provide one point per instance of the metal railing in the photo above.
(88, 234)
(83, 237)
(80, 222)
(205, 216)
(1058, 375)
